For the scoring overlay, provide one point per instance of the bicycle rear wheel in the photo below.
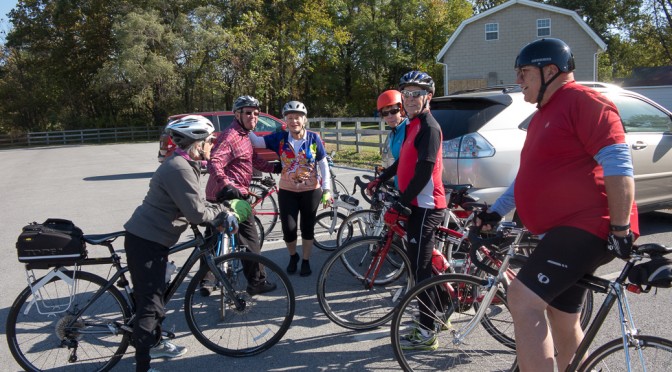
(326, 229)
(39, 341)
(265, 208)
(343, 289)
(447, 303)
(656, 355)
(261, 321)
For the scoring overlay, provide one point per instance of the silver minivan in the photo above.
(484, 132)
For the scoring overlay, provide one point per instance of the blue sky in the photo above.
(5, 7)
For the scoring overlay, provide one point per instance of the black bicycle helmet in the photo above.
(189, 129)
(418, 79)
(245, 101)
(544, 52)
(294, 106)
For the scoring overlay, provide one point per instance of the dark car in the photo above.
(221, 120)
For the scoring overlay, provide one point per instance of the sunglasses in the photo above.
(390, 112)
(250, 113)
(414, 93)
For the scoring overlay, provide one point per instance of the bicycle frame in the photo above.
(198, 251)
(614, 293)
(493, 286)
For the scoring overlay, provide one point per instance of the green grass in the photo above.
(367, 158)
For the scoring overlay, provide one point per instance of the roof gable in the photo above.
(550, 8)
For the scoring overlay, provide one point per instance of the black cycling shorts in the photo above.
(562, 257)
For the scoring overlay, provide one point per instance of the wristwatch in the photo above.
(619, 227)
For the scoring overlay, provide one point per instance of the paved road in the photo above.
(99, 186)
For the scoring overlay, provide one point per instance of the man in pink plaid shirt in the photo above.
(231, 166)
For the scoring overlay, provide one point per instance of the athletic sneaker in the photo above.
(167, 349)
(260, 288)
(419, 339)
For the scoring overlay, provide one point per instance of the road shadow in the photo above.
(117, 177)
(655, 222)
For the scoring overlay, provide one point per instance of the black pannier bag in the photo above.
(54, 242)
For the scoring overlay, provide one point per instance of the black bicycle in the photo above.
(74, 319)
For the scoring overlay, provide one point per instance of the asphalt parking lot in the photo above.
(98, 188)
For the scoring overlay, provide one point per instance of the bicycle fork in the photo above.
(376, 264)
(239, 303)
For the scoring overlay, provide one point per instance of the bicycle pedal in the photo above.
(167, 334)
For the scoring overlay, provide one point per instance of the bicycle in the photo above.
(263, 201)
(328, 222)
(360, 284)
(472, 326)
(74, 318)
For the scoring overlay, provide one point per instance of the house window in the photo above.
(544, 27)
(491, 31)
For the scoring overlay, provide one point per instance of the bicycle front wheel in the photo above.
(326, 229)
(240, 322)
(47, 330)
(349, 291)
(648, 353)
(444, 308)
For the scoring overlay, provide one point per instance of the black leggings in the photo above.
(147, 265)
(292, 203)
(420, 231)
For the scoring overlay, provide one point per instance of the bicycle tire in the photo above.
(341, 290)
(339, 187)
(484, 348)
(34, 339)
(657, 353)
(260, 231)
(267, 209)
(326, 229)
(367, 222)
(263, 321)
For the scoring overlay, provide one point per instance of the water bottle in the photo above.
(439, 261)
(170, 270)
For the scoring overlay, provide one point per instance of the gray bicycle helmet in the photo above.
(294, 106)
(189, 129)
(245, 101)
(418, 79)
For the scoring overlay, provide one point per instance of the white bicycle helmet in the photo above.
(294, 106)
(189, 129)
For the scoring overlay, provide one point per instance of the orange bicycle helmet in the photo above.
(389, 98)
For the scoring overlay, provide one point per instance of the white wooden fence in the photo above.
(359, 133)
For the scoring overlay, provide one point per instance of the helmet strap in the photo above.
(544, 85)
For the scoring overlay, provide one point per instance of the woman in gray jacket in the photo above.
(174, 200)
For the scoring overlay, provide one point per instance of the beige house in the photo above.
(482, 51)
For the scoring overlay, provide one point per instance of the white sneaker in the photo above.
(167, 349)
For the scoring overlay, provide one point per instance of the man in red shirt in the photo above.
(419, 169)
(575, 185)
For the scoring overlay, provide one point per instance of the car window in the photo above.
(224, 121)
(266, 124)
(640, 116)
(458, 117)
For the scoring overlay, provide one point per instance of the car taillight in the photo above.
(469, 146)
